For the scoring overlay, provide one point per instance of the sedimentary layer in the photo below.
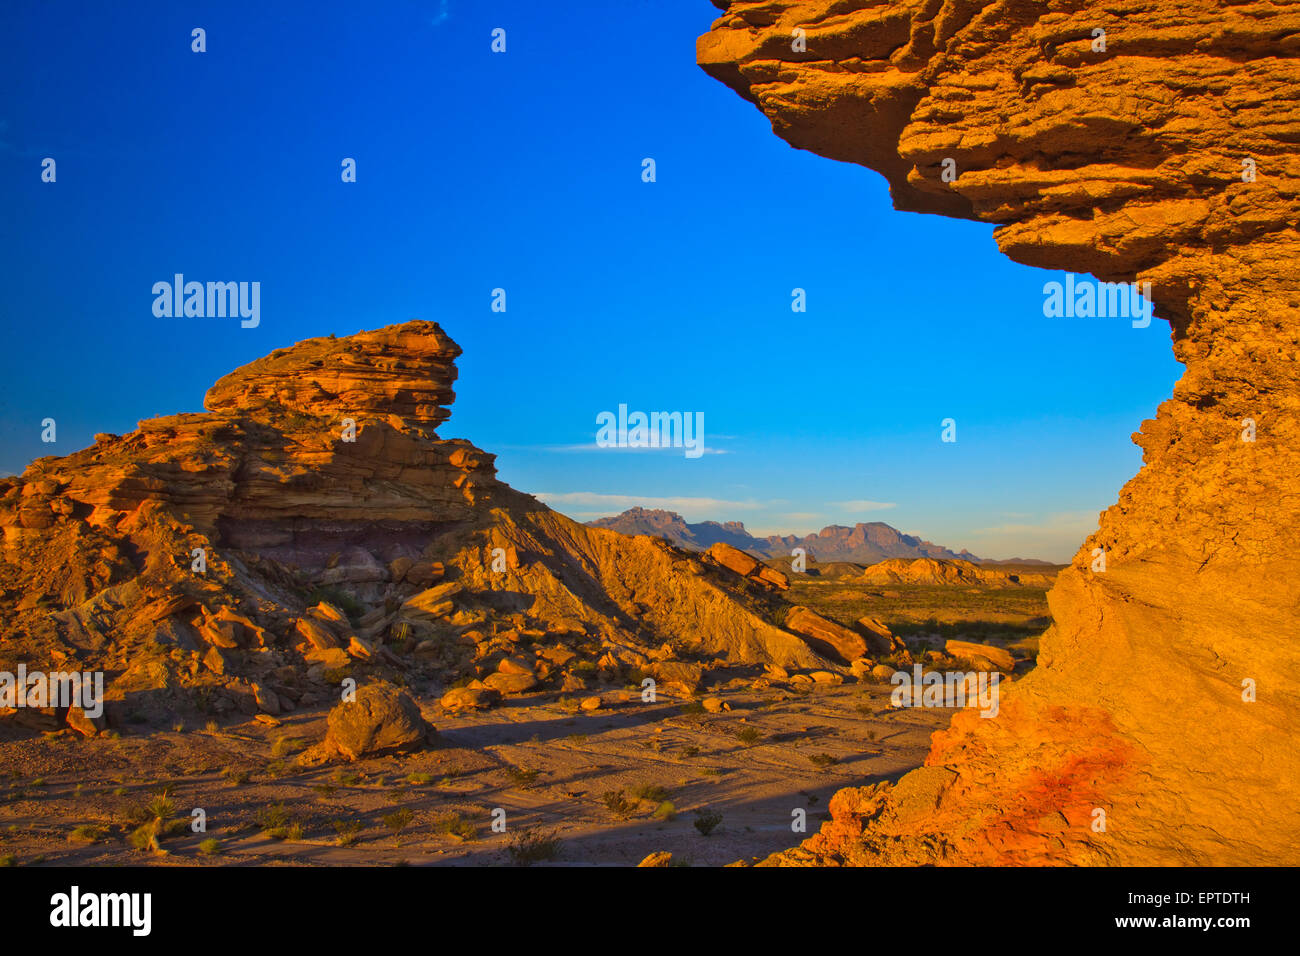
(312, 523)
(1140, 141)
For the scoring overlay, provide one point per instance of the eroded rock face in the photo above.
(402, 373)
(250, 557)
(1131, 159)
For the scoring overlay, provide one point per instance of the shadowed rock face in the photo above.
(1126, 162)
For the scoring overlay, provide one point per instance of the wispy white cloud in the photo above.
(1082, 523)
(695, 509)
(862, 504)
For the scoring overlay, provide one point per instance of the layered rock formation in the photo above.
(311, 524)
(932, 571)
(1141, 141)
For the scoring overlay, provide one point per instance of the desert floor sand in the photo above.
(549, 768)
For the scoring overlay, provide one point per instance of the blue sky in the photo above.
(522, 170)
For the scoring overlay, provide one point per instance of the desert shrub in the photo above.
(618, 804)
(398, 820)
(87, 833)
(706, 821)
(520, 776)
(650, 791)
(531, 846)
(347, 831)
(278, 822)
(665, 811)
(456, 825)
(284, 746)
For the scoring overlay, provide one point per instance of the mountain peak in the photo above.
(865, 542)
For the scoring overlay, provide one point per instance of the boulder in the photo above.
(424, 573)
(516, 665)
(398, 567)
(383, 719)
(559, 656)
(226, 634)
(995, 658)
(218, 660)
(748, 566)
(359, 648)
(772, 578)
(685, 676)
(508, 684)
(432, 604)
(816, 630)
(734, 559)
(469, 698)
(330, 614)
(880, 639)
(317, 634)
(332, 658)
(77, 719)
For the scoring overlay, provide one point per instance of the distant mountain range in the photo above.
(864, 543)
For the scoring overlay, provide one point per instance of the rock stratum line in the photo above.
(1126, 163)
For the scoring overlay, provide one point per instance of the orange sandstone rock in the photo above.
(1167, 690)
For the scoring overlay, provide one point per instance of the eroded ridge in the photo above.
(312, 524)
